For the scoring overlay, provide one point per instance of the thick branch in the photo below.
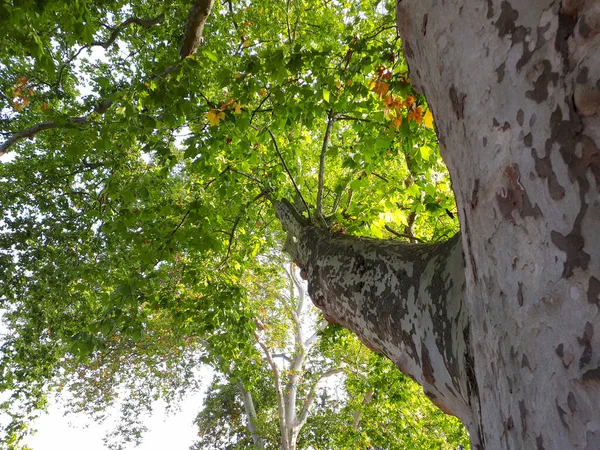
(194, 26)
(403, 300)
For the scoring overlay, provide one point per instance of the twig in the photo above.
(259, 106)
(146, 23)
(250, 177)
(235, 224)
(288, 171)
(319, 212)
(181, 222)
(230, 7)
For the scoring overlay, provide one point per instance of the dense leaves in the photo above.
(136, 185)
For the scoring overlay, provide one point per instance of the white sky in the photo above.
(77, 432)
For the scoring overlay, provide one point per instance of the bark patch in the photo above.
(426, 365)
(539, 93)
(591, 376)
(594, 291)
(506, 22)
(500, 72)
(543, 167)
(561, 414)
(571, 402)
(586, 342)
(539, 442)
(520, 295)
(514, 198)
(566, 25)
(458, 102)
(474, 194)
(523, 413)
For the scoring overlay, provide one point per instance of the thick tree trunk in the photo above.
(508, 337)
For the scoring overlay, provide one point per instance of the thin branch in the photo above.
(354, 119)
(230, 7)
(326, 138)
(276, 382)
(259, 106)
(402, 235)
(35, 129)
(146, 23)
(283, 356)
(311, 340)
(311, 396)
(181, 222)
(235, 224)
(250, 177)
(285, 166)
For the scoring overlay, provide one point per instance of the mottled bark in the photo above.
(505, 338)
(402, 300)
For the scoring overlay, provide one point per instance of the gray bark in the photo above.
(502, 337)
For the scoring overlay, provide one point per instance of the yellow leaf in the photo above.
(214, 117)
(246, 43)
(428, 119)
(238, 108)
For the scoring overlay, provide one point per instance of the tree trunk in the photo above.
(503, 337)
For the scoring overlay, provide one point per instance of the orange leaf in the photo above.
(381, 88)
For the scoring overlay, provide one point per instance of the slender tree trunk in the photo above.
(248, 402)
(506, 337)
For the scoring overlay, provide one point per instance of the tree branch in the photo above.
(146, 23)
(194, 26)
(285, 166)
(311, 396)
(412, 238)
(276, 382)
(251, 413)
(35, 129)
(319, 211)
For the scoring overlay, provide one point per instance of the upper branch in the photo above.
(194, 26)
(145, 23)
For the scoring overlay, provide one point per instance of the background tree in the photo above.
(280, 397)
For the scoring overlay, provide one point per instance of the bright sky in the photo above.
(77, 432)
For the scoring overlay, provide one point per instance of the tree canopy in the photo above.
(137, 184)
